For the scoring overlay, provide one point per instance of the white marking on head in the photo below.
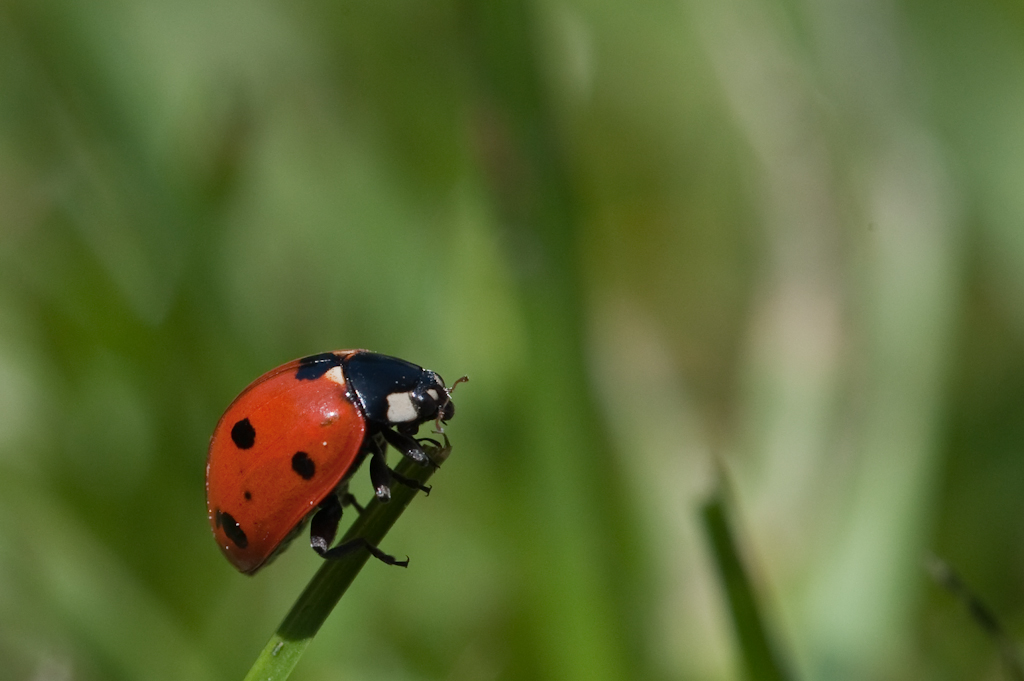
(335, 374)
(432, 393)
(400, 408)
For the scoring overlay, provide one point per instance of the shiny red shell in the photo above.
(305, 435)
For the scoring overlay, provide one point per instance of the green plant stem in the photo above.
(330, 582)
(759, 655)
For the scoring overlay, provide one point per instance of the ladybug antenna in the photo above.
(438, 424)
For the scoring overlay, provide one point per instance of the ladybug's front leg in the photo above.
(408, 446)
(324, 527)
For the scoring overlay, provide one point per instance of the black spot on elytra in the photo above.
(243, 434)
(231, 529)
(248, 495)
(315, 366)
(303, 465)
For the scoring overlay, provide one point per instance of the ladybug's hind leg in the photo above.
(324, 527)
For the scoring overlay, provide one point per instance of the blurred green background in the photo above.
(788, 236)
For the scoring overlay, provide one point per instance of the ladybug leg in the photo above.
(407, 445)
(380, 477)
(409, 482)
(348, 499)
(324, 527)
(383, 478)
(348, 547)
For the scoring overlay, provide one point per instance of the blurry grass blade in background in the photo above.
(581, 587)
(760, 655)
(946, 577)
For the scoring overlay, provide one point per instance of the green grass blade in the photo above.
(946, 577)
(759, 655)
(282, 652)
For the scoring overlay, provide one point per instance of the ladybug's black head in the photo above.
(392, 391)
(432, 400)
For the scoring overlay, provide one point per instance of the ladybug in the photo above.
(286, 447)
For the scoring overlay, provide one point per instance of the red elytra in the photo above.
(289, 442)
